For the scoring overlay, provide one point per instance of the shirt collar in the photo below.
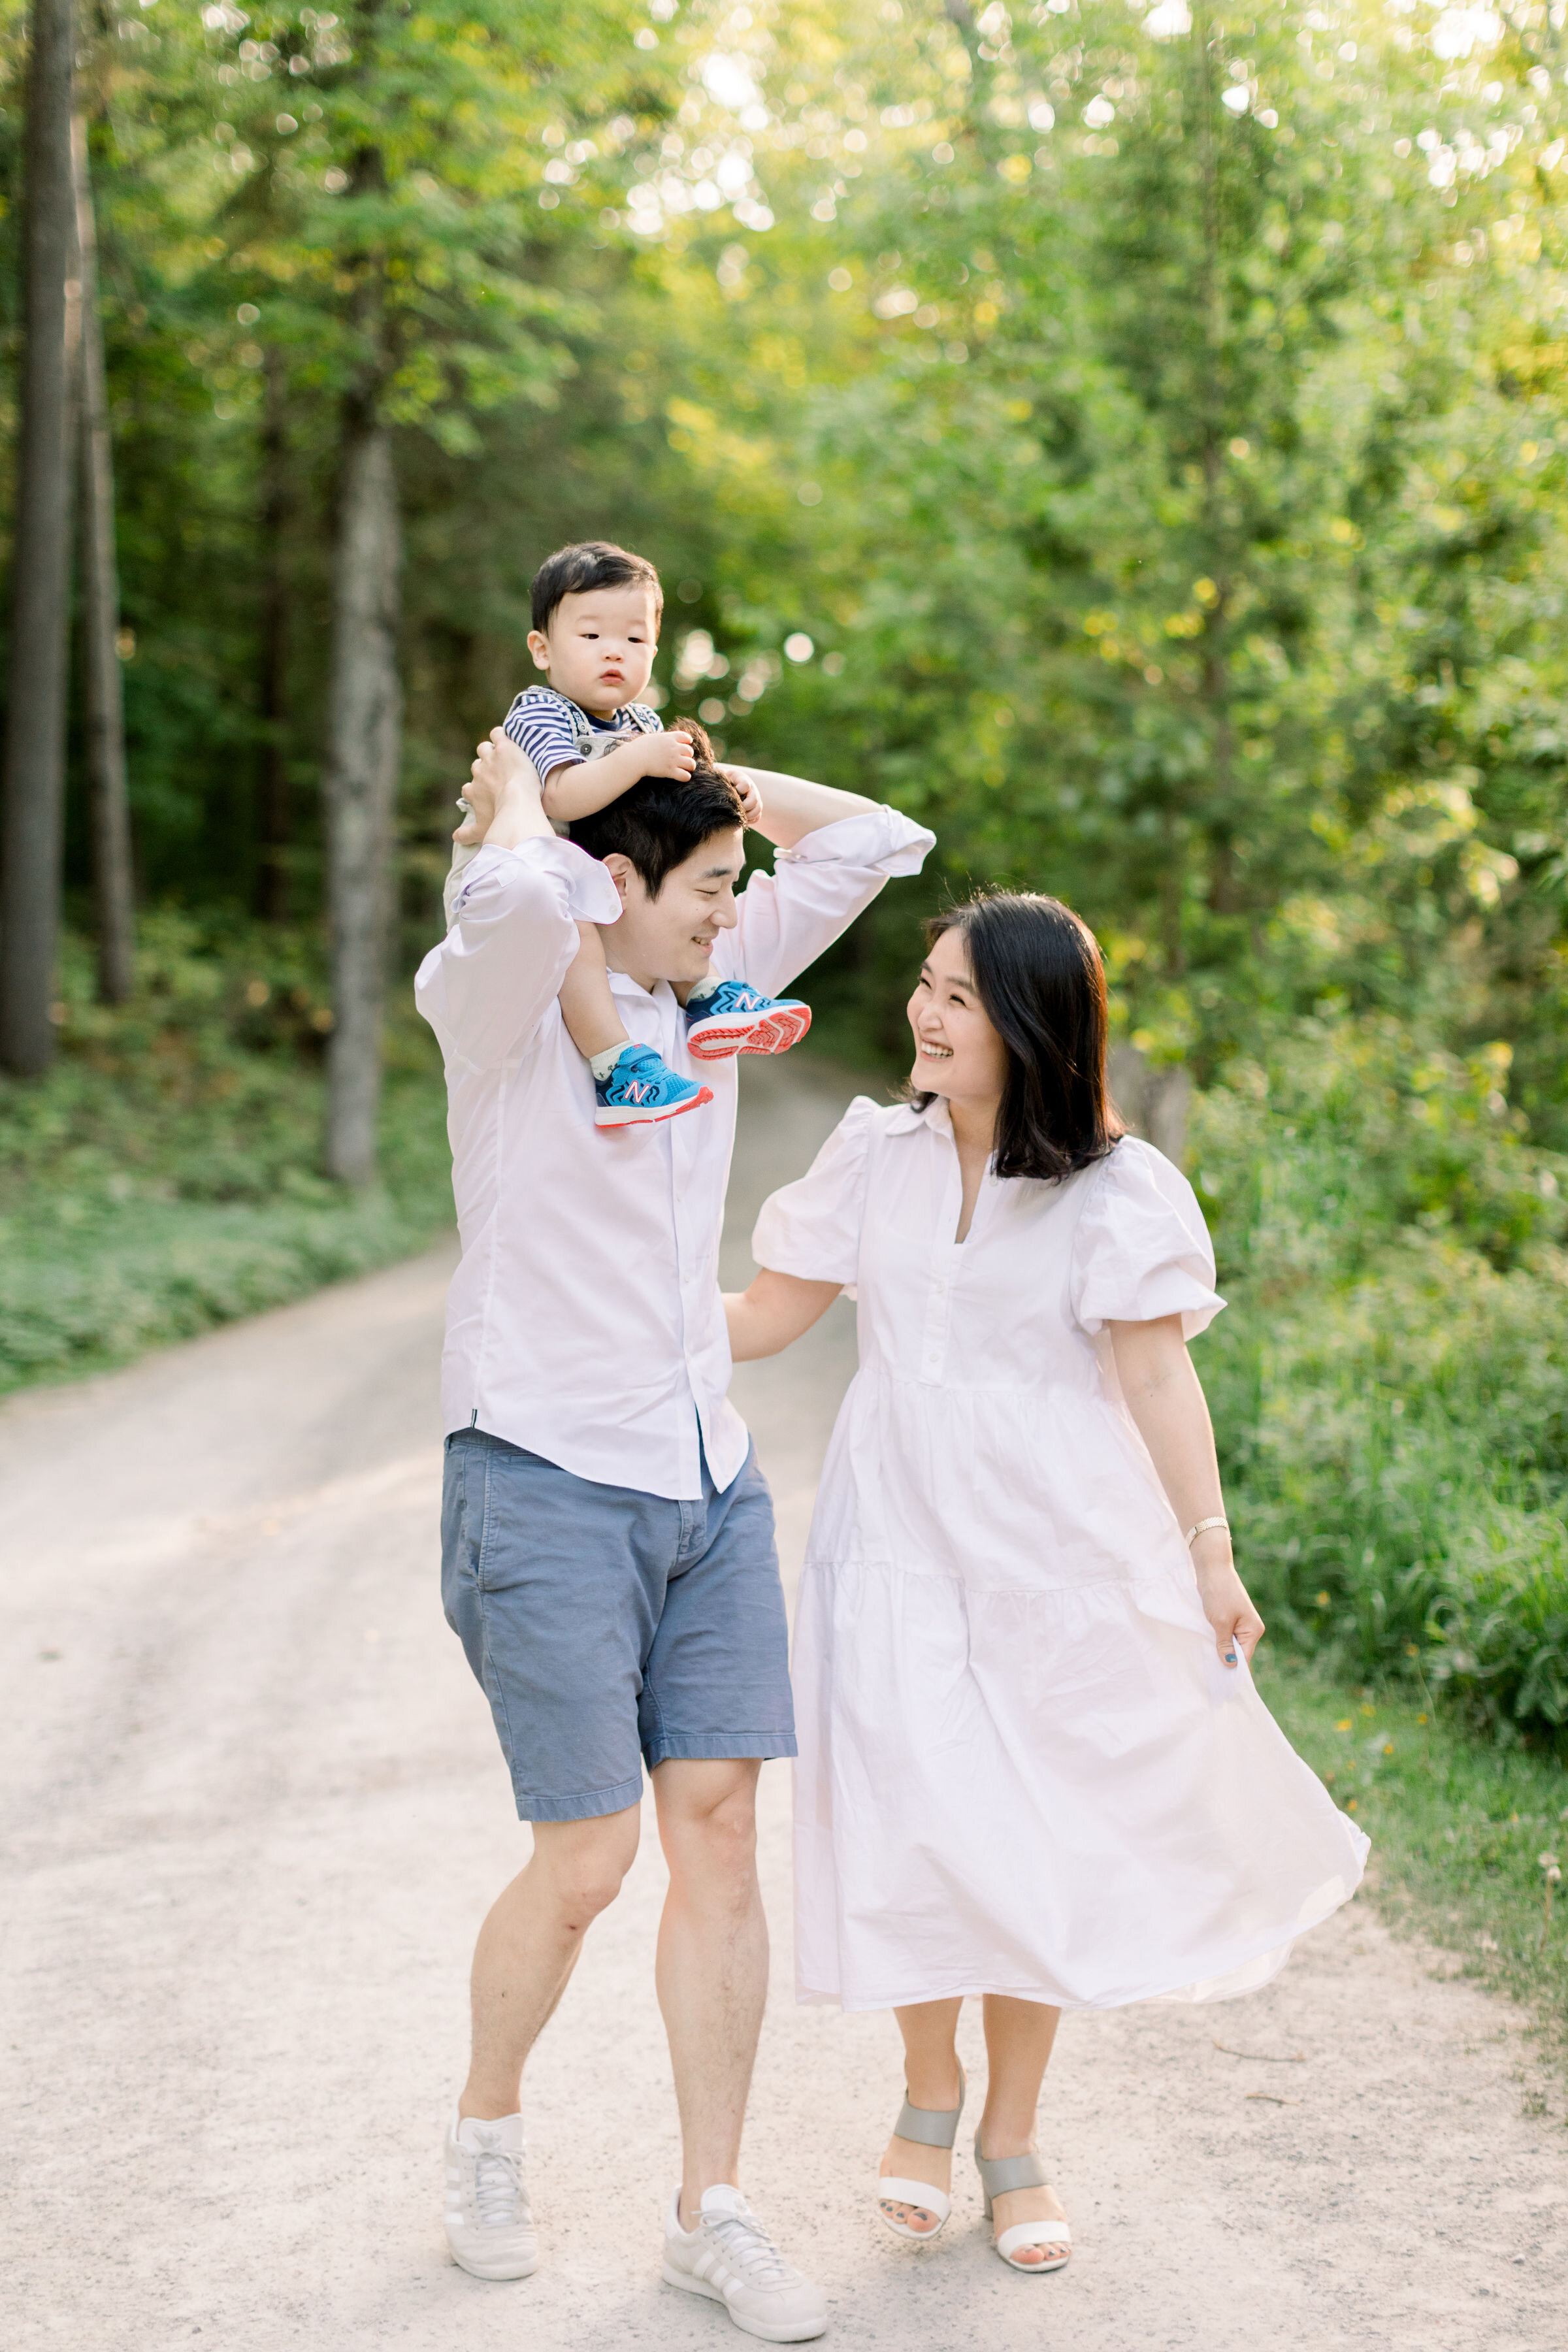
(622, 984)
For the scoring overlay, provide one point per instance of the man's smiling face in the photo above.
(671, 937)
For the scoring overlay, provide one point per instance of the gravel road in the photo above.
(253, 1812)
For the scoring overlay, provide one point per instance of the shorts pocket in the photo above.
(461, 1538)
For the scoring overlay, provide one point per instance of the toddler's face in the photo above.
(599, 648)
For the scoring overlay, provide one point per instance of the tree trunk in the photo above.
(1153, 1102)
(273, 893)
(1214, 686)
(32, 826)
(361, 784)
(113, 884)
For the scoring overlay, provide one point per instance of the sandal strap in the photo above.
(999, 2174)
(1033, 2233)
(892, 2191)
(932, 2126)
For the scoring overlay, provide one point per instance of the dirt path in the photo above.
(253, 1812)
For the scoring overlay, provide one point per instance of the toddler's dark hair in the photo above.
(589, 563)
(660, 821)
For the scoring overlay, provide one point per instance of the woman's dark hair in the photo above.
(589, 563)
(1039, 978)
(661, 820)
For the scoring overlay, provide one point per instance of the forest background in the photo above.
(1129, 437)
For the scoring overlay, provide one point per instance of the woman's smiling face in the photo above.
(957, 1052)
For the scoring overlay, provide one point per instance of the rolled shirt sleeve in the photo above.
(514, 932)
(815, 892)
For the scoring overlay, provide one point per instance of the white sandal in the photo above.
(998, 2176)
(928, 2127)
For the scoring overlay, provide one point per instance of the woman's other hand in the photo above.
(1238, 1627)
(1162, 1393)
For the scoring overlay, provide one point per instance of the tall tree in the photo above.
(365, 724)
(274, 889)
(103, 692)
(32, 824)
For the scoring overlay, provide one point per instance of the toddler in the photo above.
(596, 612)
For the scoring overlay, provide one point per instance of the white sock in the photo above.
(704, 988)
(602, 1063)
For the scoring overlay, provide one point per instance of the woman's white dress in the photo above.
(1022, 1767)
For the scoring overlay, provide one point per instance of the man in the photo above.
(607, 1539)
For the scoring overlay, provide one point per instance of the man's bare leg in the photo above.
(712, 1966)
(528, 1946)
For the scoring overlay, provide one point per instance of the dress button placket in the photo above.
(935, 1348)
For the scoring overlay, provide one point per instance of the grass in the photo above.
(1459, 1825)
(166, 1175)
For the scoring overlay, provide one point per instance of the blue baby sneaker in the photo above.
(641, 1089)
(735, 1018)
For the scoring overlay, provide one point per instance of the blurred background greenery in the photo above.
(1132, 439)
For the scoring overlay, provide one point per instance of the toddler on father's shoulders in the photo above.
(597, 609)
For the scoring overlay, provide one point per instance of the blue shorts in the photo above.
(606, 1625)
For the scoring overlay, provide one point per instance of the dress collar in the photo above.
(909, 1116)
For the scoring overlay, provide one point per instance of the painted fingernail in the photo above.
(1230, 1657)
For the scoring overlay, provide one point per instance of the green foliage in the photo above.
(1157, 434)
(1391, 1380)
(166, 1175)
(295, 208)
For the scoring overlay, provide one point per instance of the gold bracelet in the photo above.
(1203, 1528)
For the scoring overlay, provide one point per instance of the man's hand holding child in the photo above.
(500, 772)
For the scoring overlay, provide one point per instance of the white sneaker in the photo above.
(730, 2257)
(489, 2227)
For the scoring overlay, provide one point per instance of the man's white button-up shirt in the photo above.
(584, 1319)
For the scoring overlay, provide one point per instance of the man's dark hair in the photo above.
(589, 563)
(1039, 977)
(661, 820)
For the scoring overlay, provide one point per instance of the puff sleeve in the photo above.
(1142, 1249)
(812, 1228)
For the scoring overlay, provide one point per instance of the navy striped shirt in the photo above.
(554, 732)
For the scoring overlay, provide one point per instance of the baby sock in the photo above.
(602, 1063)
(695, 994)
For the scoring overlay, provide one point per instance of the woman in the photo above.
(1033, 1764)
